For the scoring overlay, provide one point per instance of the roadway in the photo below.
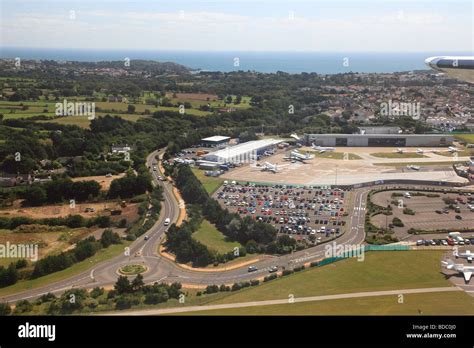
(161, 269)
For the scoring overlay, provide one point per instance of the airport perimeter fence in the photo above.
(365, 248)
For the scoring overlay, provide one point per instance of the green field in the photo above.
(216, 104)
(381, 270)
(208, 235)
(462, 153)
(84, 122)
(211, 184)
(424, 164)
(439, 303)
(397, 155)
(335, 155)
(468, 138)
(14, 109)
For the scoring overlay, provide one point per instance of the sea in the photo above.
(265, 62)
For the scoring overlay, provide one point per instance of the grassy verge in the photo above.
(439, 303)
(468, 138)
(404, 164)
(397, 155)
(102, 255)
(208, 235)
(336, 155)
(379, 271)
(211, 184)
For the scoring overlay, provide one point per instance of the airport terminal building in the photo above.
(242, 153)
(379, 140)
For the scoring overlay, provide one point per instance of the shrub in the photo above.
(23, 306)
(397, 222)
(270, 277)
(96, 292)
(236, 286)
(5, 309)
(123, 302)
(210, 289)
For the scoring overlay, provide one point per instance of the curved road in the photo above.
(163, 269)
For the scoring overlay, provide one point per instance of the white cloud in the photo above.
(203, 30)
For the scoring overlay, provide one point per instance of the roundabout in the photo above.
(132, 269)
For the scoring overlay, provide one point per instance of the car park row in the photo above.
(299, 211)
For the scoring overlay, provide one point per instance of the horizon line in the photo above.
(222, 51)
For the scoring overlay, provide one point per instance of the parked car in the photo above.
(252, 269)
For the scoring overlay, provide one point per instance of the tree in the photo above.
(137, 283)
(96, 292)
(174, 290)
(131, 108)
(9, 275)
(23, 306)
(108, 238)
(122, 285)
(125, 302)
(158, 296)
(35, 196)
(5, 309)
(251, 247)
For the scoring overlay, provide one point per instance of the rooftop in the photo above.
(243, 148)
(216, 138)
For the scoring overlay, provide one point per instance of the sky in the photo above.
(240, 25)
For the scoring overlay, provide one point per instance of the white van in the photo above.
(167, 221)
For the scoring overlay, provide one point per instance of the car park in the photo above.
(298, 211)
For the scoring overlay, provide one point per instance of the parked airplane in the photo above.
(267, 166)
(453, 149)
(298, 155)
(468, 255)
(465, 270)
(322, 149)
(400, 150)
(295, 136)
